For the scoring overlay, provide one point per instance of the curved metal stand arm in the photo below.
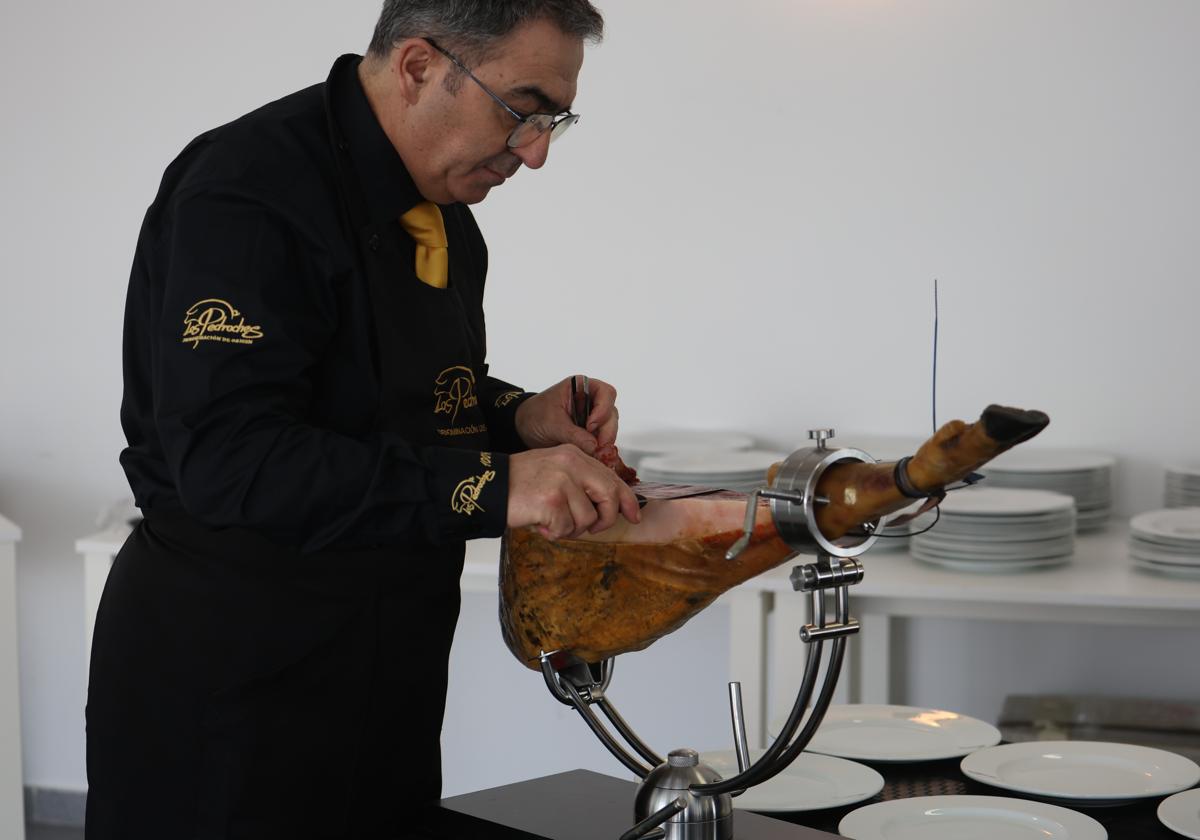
(649, 827)
(783, 750)
(626, 732)
(759, 771)
(818, 714)
(603, 734)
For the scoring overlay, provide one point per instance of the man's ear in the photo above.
(413, 64)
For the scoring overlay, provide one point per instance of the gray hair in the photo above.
(471, 28)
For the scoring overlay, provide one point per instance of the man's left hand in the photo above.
(545, 419)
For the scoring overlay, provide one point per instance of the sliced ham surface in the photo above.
(621, 589)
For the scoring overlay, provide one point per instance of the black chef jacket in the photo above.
(312, 434)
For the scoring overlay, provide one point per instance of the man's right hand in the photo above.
(565, 493)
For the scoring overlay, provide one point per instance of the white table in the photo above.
(12, 796)
(1100, 586)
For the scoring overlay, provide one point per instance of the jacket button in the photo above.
(373, 242)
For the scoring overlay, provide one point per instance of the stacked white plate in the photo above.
(1084, 476)
(741, 470)
(636, 446)
(993, 529)
(899, 537)
(1183, 486)
(1167, 541)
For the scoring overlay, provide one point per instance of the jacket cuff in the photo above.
(468, 494)
(501, 413)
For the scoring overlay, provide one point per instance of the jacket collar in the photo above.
(385, 182)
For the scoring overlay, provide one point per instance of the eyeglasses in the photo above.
(530, 127)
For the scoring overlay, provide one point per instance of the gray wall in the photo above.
(743, 231)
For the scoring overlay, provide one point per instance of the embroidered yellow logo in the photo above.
(507, 397)
(454, 389)
(465, 498)
(217, 320)
(485, 458)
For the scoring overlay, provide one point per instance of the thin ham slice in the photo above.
(621, 589)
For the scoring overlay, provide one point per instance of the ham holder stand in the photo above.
(681, 798)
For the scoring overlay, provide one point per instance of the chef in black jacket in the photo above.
(314, 432)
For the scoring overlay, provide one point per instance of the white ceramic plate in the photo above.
(714, 463)
(997, 550)
(1181, 813)
(657, 441)
(988, 566)
(1175, 524)
(1050, 461)
(1004, 501)
(968, 818)
(1002, 531)
(1082, 770)
(892, 734)
(1169, 569)
(1158, 554)
(809, 783)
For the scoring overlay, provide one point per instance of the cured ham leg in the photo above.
(621, 589)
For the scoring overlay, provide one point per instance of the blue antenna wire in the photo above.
(935, 351)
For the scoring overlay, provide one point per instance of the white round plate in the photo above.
(1050, 460)
(975, 526)
(992, 566)
(968, 818)
(997, 549)
(1181, 813)
(1082, 770)
(1161, 554)
(714, 463)
(1002, 531)
(809, 783)
(1180, 525)
(658, 441)
(1004, 501)
(894, 734)
(1169, 569)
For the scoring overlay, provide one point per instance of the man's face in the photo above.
(461, 150)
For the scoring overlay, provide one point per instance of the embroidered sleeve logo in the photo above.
(507, 397)
(454, 389)
(465, 498)
(213, 319)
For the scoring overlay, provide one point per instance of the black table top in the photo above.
(1137, 821)
(582, 805)
(578, 805)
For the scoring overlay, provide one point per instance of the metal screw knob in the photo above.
(820, 436)
(683, 758)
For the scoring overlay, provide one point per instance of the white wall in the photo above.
(743, 230)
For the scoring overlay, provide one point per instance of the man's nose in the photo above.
(533, 155)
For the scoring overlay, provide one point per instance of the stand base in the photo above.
(577, 805)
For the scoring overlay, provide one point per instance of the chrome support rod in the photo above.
(832, 670)
(648, 828)
(759, 770)
(603, 734)
(626, 732)
(739, 726)
(783, 750)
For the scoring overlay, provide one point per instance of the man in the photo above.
(313, 433)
